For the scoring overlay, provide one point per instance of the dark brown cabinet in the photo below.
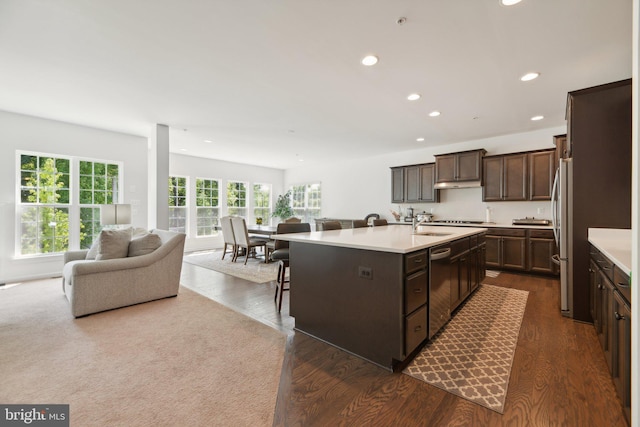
(505, 177)
(467, 268)
(542, 168)
(611, 313)
(463, 166)
(416, 286)
(518, 176)
(621, 370)
(542, 247)
(419, 184)
(414, 184)
(506, 248)
(397, 185)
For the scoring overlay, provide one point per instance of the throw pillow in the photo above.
(144, 245)
(93, 250)
(114, 244)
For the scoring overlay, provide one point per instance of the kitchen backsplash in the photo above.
(467, 204)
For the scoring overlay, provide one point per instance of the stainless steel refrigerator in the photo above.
(561, 204)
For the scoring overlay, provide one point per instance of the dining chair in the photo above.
(243, 241)
(331, 225)
(281, 254)
(293, 219)
(228, 237)
(380, 222)
(360, 223)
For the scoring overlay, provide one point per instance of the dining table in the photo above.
(262, 230)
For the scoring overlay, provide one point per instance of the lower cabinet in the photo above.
(521, 249)
(506, 248)
(611, 313)
(416, 285)
(467, 268)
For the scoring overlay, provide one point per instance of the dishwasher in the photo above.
(439, 287)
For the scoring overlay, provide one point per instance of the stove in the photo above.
(530, 221)
(456, 221)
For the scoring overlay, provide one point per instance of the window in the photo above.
(98, 186)
(237, 198)
(262, 202)
(44, 204)
(178, 204)
(306, 201)
(207, 210)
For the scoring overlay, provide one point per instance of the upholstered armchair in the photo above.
(145, 270)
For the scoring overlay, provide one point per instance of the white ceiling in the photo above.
(271, 82)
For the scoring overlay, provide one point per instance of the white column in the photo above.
(159, 178)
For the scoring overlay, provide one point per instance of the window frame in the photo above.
(173, 208)
(245, 199)
(73, 205)
(266, 218)
(217, 207)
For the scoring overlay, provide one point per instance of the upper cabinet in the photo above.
(505, 178)
(542, 167)
(397, 185)
(459, 167)
(520, 176)
(414, 184)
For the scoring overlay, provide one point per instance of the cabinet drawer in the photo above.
(459, 246)
(516, 232)
(415, 261)
(541, 234)
(415, 291)
(622, 282)
(415, 329)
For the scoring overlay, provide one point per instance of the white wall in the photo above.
(196, 167)
(352, 189)
(20, 132)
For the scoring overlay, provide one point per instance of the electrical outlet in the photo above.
(365, 272)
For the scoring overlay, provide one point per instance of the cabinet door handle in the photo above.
(417, 328)
(618, 316)
(417, 291)
(623, 285)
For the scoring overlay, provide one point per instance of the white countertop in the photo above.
(615, 244)
(389, 238)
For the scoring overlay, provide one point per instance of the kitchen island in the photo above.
(369, 290)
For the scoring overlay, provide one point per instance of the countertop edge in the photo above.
(304, 238)
(613, 245)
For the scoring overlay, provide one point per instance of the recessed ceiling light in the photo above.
(509, 2)
(208, 141)
(434, 114)
(413, 96)
(420, 139)
(536, 118)
(183, 149)
(529, 76)
(370, 60)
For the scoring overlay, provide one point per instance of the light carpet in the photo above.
(256, 269)
(472, 355)
(178, 361)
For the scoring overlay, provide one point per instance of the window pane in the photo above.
(236, 198)
(28, 162)
(86, 168)
(207, 221)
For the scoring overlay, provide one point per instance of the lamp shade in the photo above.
(115, 214)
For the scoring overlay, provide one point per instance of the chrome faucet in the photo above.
(415, 224)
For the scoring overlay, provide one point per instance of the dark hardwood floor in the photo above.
(559, 375)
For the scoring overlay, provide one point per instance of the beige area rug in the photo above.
(183, 361)
(256, 269)
(472, 355)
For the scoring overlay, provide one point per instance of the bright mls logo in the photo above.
(36, 415)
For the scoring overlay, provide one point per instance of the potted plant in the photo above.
(283, 209)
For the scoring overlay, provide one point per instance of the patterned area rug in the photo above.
(472, 355)
(255, 271)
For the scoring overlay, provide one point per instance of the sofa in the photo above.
(106, 282)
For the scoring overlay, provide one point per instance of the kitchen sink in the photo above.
(431, 233)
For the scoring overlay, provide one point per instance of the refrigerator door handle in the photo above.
(554, 206)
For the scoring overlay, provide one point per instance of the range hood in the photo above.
(457, 184)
